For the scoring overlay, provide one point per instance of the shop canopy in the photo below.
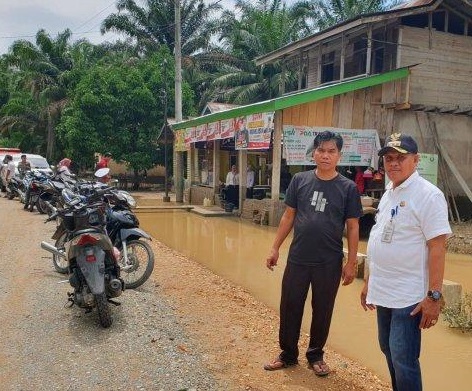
(295, 99)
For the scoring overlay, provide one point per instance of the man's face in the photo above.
(399, 166)
(23, 159)
(326, 156)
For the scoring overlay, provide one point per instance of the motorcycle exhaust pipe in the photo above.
(49, 247)
(115, 288)
(115, 284)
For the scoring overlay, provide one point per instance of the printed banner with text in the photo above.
(359, 149)
(254, 131)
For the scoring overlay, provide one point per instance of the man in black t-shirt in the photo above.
(319, 204)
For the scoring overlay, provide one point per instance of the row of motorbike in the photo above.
(98, 242)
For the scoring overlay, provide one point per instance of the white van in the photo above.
(37, 162)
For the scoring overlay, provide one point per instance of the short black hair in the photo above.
(327, 135)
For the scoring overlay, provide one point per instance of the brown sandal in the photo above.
(277, 364)
(320, 368)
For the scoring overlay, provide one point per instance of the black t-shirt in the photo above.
(322, 210)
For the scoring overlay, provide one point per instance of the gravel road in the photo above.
(184, 329)
(46, 346)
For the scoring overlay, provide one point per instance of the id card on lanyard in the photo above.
(389, 227)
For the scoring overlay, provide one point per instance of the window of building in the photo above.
(355, 57)
(331, 61)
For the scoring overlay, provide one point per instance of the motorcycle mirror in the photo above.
(101, 172)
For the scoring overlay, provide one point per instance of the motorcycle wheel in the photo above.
(41, 206)
(140, 264)
(103, 308)
(60, 263)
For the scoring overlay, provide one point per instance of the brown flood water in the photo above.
(236, 250)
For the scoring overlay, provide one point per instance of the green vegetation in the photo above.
(62, 98)
(460, 315)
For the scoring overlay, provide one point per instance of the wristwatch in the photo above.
(434, 295)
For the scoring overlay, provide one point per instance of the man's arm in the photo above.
(285, 226)
(349, 269)
(430, 309)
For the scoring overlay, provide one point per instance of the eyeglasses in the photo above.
(398, 158)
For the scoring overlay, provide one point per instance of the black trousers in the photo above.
(324, 281)
(232, 195)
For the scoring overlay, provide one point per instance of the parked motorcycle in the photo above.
(122, 226)
(13, 186)
(136, 256)
(94, 272)
(33, 184)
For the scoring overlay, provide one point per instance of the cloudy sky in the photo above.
(21, 19)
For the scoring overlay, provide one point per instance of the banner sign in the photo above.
(254, 131)
(201, 132)
(360, 146)
(226, 128)
(213, 131)
(180, 144)
(189, 136)
(428, 167)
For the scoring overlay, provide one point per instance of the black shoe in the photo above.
(25, 207)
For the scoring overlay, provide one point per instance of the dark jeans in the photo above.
(232, 195)
(324, 281)
(400, 341)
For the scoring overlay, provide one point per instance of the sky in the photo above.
(21, 19)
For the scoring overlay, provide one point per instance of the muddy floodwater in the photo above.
(236, 250)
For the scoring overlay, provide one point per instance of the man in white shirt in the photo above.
(232, 186)
(406, 254)
(249, 181)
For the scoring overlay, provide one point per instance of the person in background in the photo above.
(23, 166)
(250, 175)
(319, 204)
(103, 163)
(9, 172)
(359, 180)
(63, 168)
(232, 186)
(406, 252)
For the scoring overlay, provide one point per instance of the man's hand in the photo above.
(363, 299)
(272, 259)
(348, 273)
(430, 310)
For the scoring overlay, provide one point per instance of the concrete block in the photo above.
(452, 293)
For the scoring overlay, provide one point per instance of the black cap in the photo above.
(399, 142)
(108, 154)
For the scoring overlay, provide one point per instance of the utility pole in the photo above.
(178, 156)
(166, 197)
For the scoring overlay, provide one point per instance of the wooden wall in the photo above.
(370, 108)
(443, 76)
(319, 113)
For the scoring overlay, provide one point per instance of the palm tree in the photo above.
(153, 24)
(41, 68)
(263, 26)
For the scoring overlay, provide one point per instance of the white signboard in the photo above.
(359, 149)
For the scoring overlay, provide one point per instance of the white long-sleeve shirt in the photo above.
(232, 179)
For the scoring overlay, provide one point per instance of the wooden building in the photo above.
(408, 69)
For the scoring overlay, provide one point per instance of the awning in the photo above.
(297, 98)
